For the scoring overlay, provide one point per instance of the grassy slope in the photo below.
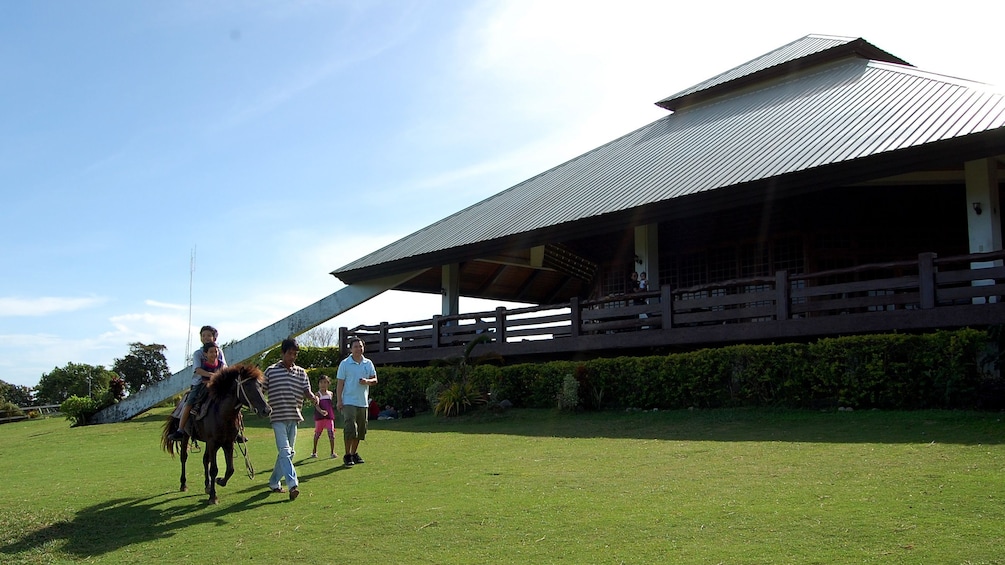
(693, 487)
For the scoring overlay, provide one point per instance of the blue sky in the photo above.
(280, 140)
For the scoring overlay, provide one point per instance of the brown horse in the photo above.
(229, 390)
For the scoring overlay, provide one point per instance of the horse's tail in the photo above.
(167, 444)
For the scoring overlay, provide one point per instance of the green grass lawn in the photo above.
(723, 486)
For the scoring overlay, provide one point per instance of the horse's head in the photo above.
(249, 389)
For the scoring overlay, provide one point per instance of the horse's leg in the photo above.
(206, 454)
(209, 462)
(184, 459)
(228, 455)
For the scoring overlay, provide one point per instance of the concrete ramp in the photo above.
(316, 314)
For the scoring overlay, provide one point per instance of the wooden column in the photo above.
(382, 347)
(983, 215)
(450, 282)
(500, 336)
(666, 306)
(926, 280)
(435, 337)
(575, 317)
(783, 294)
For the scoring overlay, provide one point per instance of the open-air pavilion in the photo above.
(825, 188)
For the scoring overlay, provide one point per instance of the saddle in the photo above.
(198, 411)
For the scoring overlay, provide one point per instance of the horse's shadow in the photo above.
(106, 527)
(109, 526)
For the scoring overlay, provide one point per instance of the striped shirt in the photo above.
(286, 389)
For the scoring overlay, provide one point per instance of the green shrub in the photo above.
(892, 371)
(568, 397)
(307, 357)
(78, 409)
(9, 410)
(433, 392)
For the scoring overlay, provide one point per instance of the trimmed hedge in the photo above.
(307, 357)
(943, 369)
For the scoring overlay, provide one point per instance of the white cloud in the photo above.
(167, 305)
(146, 327)
(36, 352)
(17, 341)
(45, 305)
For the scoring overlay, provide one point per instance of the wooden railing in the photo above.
(928, 284)
(47, 409)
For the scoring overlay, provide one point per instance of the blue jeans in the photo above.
(286, 440)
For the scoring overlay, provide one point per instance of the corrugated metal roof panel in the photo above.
(796, 50)
(793, 57)
(835, 113)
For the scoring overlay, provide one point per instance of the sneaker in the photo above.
(294, 493)
(356, 459)
(347, 460)
(314, 455)
(278, 489)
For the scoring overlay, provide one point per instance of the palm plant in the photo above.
(461, 394)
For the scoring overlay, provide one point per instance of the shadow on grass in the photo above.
(873, 426)
(721, 424)
(109, 526)
(150, 417)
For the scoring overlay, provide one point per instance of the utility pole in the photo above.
(191, 277)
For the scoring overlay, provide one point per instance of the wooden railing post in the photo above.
(383, 338)
(926, 279)
(666, 306)
(783, 296)
(500, 336)
(343, 341)
(435, 338)
(575, 317)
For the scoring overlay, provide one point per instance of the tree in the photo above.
(75, 379)
(15, 394)
(319, 336)
(144, 365)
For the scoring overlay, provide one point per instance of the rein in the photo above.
(243, 400)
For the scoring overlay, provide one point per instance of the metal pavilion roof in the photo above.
(839, 109)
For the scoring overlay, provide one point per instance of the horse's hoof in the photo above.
(221, 482)
(214, 501)
(184, 488)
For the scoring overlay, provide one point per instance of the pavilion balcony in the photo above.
(928, 294)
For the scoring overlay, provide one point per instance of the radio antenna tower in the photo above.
(191, 276)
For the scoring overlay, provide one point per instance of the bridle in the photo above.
(242, 395)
